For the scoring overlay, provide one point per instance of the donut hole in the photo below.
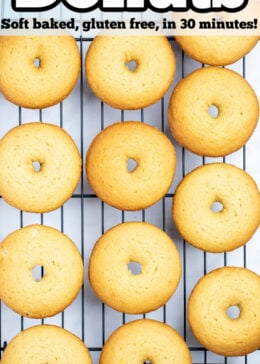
(37, 62)
(38, 272)
(147, 362)
(131, 65)
(36, 166)
(131, 165)
(217, 207)
(134, 267)
(213, 111)
(233, 312)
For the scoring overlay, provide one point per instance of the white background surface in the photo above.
(84, 218)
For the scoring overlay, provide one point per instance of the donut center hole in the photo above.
(134, 267)
(36, 166)
(38, 272)
(233, 312)
(213, 111)
(131, 65)
(217, 207)
(37, 62)
(147, 362)
(131, 165)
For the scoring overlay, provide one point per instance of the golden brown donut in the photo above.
(107, 165)
(208, 311)
(191, 123)
(111, 79)
(40, 167)
(38, 71)
(145, 340)
(217, 50)
(32, 247)
(46, 344)
(217, 230)
(139, 291)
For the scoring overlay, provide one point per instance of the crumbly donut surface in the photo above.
(113, 82)
(38, 71)
(145, 339)
(107, 165)
(113, 281)
(194, 215)
(46, 344)
(196, 129)
(217, 50)
(210, 299)
(46, 189)
(39, 246)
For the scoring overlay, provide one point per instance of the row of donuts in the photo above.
(212, 297)
(40, 71)
(48, 341)
(145, 335)
(40, 168)
(32, 84)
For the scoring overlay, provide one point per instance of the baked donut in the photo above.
(216, 207)
(46, 344)
(210, 307)
(40, 167)
(218, 50)
(107, 165)
(21, 286)
(152, 341)
(38, 71)
(189, 116)
(140, 288)
(130, 72)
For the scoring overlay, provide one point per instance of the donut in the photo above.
(216, 207)
(223, 311)
(108, 172)
(217, 50)
(40, 167)
(194, 126)
(25, 290)
(38, 71)
(134, 267)
(144, 340)
(46, 344)
(130, 72)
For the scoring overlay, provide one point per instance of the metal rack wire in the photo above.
(84, 217)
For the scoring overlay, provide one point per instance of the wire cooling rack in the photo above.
(84, 218)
